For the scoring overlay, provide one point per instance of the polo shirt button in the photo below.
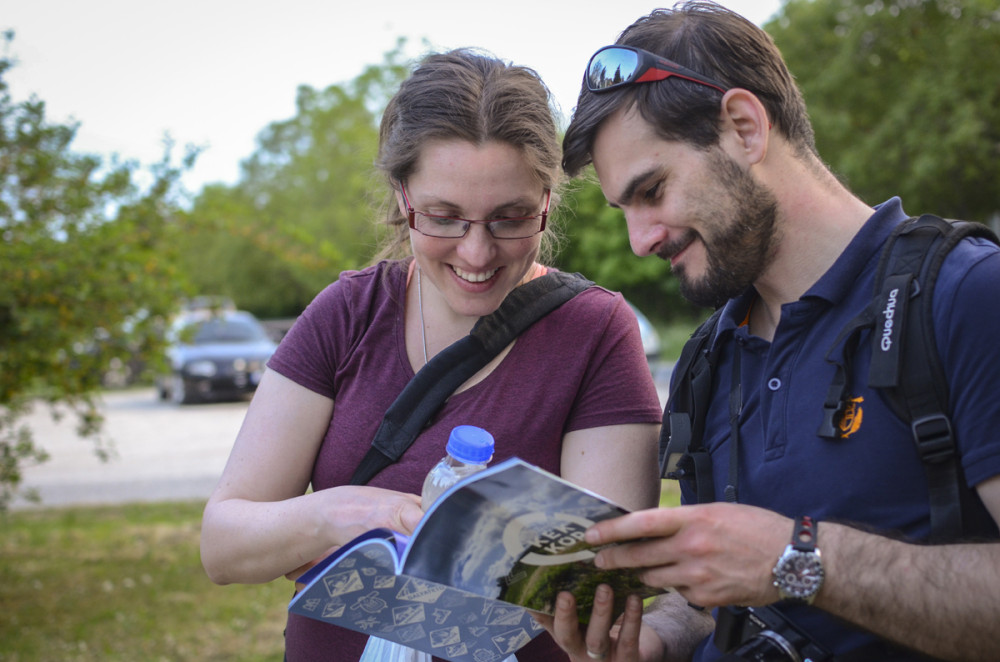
(774, 383)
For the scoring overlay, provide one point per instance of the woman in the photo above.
(466, 137)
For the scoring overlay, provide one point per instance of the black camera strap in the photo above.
(438, 379)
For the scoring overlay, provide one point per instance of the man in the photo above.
(714, 166)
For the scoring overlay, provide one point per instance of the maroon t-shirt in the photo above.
(580, 367)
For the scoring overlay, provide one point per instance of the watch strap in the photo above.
(804, 534)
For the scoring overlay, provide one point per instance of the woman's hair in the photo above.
(714, 42)
(467, 95)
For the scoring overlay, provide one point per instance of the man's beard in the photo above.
(737, 221)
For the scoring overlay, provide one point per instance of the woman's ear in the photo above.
(746, 118)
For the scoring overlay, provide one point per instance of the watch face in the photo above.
(798, 574)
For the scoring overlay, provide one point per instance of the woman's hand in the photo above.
(352, 510)
(624, 641)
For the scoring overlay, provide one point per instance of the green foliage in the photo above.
(303, 209)
(904, 96)
(125, 583)
(86, 270)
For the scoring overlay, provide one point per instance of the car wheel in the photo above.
(179, 392)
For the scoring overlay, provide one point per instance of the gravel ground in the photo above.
(161, 451)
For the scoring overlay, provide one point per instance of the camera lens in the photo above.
(766, 646)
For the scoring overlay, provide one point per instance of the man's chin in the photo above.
(703, 294)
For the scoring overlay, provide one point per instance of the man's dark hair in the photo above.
(714, 42)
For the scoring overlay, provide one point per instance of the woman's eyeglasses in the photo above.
(453, 227)
(616, 66)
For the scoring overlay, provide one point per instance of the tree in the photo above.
(904, 96)
(303, 208)
(87, 273)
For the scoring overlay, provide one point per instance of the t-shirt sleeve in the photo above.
(966, 339)
(308, 353)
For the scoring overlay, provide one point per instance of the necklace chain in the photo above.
(420, 307)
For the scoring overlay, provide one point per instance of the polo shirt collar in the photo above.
(841, 278)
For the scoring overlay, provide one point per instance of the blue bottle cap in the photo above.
(470, 444)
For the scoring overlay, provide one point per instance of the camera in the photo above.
(763, 634)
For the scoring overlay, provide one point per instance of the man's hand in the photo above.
(713, 554)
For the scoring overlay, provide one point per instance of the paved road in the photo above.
(162, 451)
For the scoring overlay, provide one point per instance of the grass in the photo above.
(673, 337)
(670, 493)
(126, 583)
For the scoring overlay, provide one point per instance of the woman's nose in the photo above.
(478, 245)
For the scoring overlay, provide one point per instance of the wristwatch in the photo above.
(799, 571)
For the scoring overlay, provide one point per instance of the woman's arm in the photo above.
(259, 524)
(616, 461)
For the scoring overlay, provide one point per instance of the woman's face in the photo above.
(480, 182)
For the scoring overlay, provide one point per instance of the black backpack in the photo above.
(905, 365)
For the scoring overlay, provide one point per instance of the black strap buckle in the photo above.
(934, 437)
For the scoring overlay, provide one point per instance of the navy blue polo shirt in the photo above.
(873, 475)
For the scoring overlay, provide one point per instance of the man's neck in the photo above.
(817, 218)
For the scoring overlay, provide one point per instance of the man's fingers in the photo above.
(655, 522)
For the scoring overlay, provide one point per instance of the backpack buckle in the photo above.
(831, 418)
(934, 437)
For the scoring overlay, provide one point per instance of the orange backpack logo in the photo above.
(850, 420)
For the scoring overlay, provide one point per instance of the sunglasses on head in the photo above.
(616, 66)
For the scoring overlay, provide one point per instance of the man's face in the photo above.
(697, 209)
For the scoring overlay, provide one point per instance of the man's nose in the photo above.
(645, 232)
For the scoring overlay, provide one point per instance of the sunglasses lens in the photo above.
(610, 67)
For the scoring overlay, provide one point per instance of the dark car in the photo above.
(215, 356)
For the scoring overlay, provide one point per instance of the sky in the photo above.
(214, 73)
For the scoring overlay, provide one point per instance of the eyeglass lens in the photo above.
(612, 67)
(452, 228)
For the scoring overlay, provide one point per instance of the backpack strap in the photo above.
(438, 379)
(907, 366)
(905, 363)
(682, 455)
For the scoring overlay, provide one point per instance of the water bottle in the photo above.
(469, 449)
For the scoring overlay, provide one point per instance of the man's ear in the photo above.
(746, 118)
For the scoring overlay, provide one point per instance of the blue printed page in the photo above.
(361, 591)
(495, 547)
(394, 541)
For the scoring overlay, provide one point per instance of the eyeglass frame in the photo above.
(649, 68)
(411, 216)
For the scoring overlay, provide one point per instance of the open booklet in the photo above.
(494, 547)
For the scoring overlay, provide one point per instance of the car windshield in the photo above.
(224, 330)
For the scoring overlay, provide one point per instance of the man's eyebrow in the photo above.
(634, 184)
